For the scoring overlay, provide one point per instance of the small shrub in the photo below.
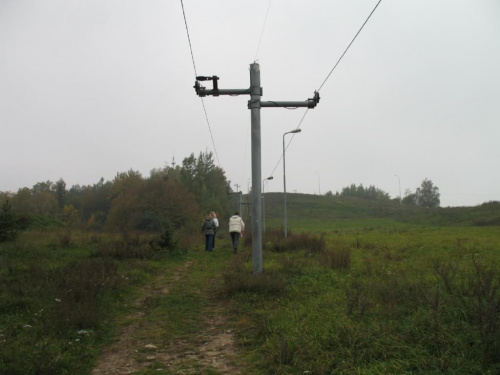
(131, 239)
(357, 300)
(8, 223)
(238, 279)
(79, 285)
(292, 266)
(336, 259)
(65, 239)
(168, 239)
(95, 238)
(312, 243)
(121, 250)
(448, 273)
(482, 288)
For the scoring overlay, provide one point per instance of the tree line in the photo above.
(427, 195)
(169, 196)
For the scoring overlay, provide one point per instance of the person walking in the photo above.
(216, 222)
(236, 228)
(208, 229)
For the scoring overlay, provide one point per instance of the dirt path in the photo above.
(211, 350)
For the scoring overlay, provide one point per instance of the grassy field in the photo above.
(357, 288)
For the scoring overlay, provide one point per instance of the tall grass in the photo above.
(56, 290)
(376, 301)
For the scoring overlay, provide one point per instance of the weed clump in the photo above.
(482, 291)
(275, 240)
(339, 258)
(239, 279)
(134, 246)
(78, 287)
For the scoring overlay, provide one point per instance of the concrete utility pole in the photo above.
(254, 104)
(238, 201)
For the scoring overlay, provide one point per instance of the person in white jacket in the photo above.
(236, 228)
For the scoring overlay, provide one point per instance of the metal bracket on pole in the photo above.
(309, 103)
(254, 104)
(202, 91)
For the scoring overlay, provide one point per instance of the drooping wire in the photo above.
(189, 39)
(262, 31)
(196, 74)
(288, 144)
(328, 76)
(352, 41)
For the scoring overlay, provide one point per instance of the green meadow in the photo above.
(358, 287)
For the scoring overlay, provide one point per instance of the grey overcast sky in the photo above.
(90, 88)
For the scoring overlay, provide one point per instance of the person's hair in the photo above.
(212, 213)
(236, 213)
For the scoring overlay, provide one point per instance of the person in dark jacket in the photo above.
(216, 223)
(208, 229)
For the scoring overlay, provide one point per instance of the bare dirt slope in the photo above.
(137, 348)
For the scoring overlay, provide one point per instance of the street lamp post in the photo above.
(399, 181)
(284, 179)
(263, 206)
(319, 183)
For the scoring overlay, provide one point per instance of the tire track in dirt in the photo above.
(211, 349)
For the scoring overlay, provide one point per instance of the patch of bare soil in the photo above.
(212, 350)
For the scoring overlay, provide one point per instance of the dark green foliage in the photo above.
(427, 196)
(370, 192)
(60, 191)
(207, 182)
(78, 287)
(8, 223)
(54, 299)
(126, 249)
(238, 279)
(274, 240)
(91, 200)
(147, 204)
(482, 291)
(338, 258)
(169, 239)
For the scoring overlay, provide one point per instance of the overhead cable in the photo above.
(262, 31)
(196, 74)
(328, 76)
(352, 41)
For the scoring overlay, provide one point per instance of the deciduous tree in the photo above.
(8, 223)
(428, 194)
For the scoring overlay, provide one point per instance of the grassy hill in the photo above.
(305, 208)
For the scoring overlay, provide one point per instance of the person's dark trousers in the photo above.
(209, 242)
(213, 241)
(235, 236)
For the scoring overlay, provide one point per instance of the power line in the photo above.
(288, 144)
(196, 74)
(328, 76)
(352, 41)
(262, 32)
(189, 39)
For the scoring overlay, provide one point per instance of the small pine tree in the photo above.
(168, 239)
(8, 223)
